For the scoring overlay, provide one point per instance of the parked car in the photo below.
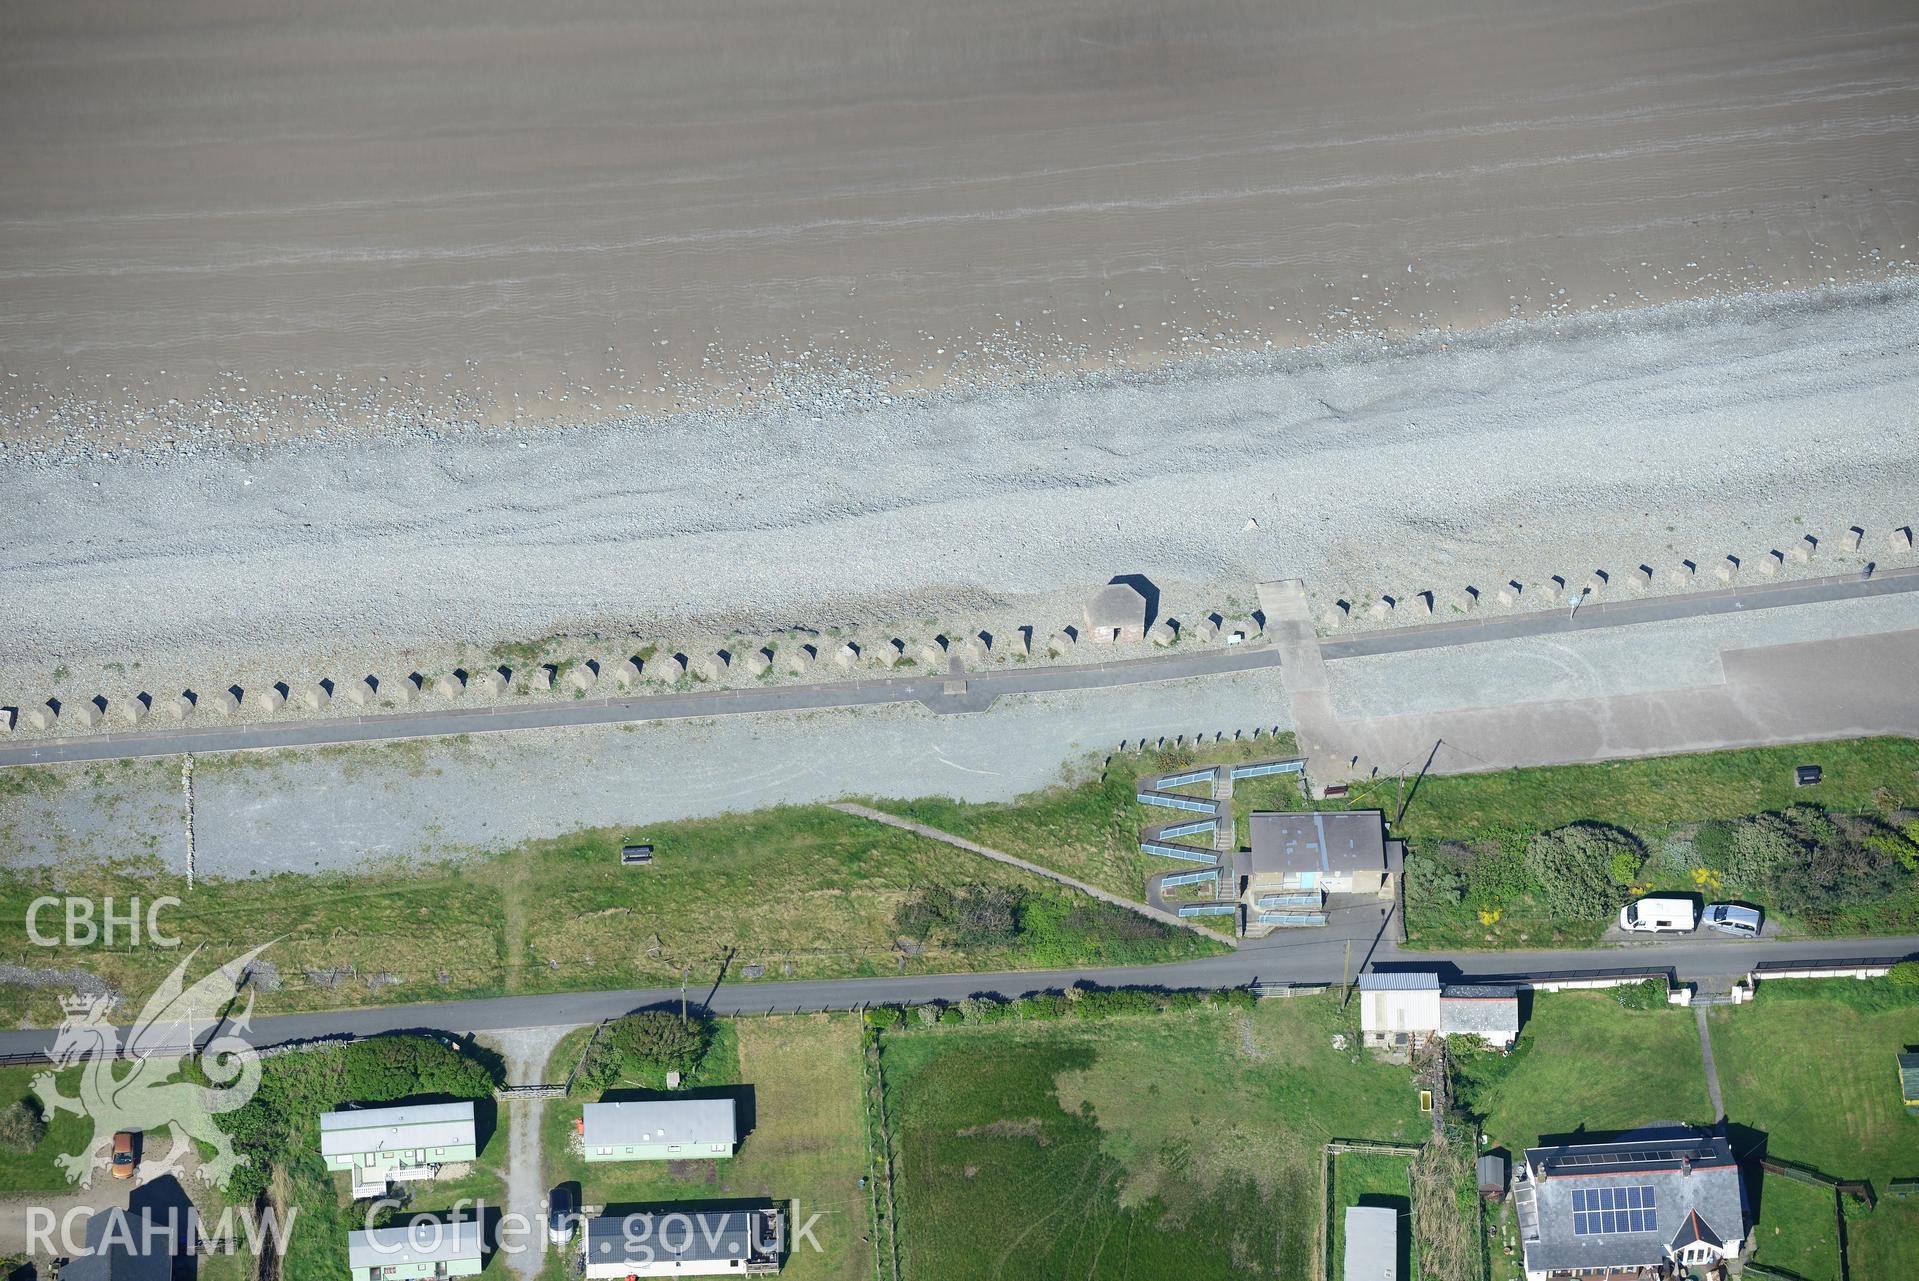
(1733, 918)
(561, 1212)
(1659, 916)
(124, 1163)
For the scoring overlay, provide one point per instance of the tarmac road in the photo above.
(953, 693)
(1281, 960)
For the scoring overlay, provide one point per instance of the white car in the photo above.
(1659, 916)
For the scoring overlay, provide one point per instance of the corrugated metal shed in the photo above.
(1420, 981)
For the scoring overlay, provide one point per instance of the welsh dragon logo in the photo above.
(133, 1086)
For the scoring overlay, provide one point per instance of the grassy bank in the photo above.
(803, 892)
(1182, 1144)
(1477, 826)
(1088, 825)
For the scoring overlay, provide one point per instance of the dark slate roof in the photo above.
(120, 1255)
(1477, 1007)
(1689, 1172)
(1319, 841)
(684, 1235)
(1695, 1231)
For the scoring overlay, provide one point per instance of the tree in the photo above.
(1572, 867)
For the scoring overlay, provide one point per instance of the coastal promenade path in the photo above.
(951, 692)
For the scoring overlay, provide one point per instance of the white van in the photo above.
(1659, 916)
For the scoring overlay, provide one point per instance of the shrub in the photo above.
(1647, 995)
(1899, 848)
(1624, 868)
(649, 1043)
(1713, 844)
(1433, 882)
(22, 1127)
(1672, 859)
(1475, 1070)
(1572, 867)
(1498, 872)
(927, 1014)
(1904, 974)
(1763, 854)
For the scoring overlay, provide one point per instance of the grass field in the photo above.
(1808, 1069)
(1796, 1230)
(1656, 793)
(1373, 1179)
(1814, 1074)
(1885, 1243)
(1583, 1063)
(808, 888)
(807, 1145)
(1176, 1145)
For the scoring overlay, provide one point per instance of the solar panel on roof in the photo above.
(1598, 1211)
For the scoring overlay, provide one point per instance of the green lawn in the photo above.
(1583, 1063)
(805, 888)
(35, 1171)
(1374, 1179)
(1180, 1145)
(1885, 1243)
(1814, 1074)
(1796, 1230)
(807, 1146)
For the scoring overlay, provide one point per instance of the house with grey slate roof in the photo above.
(1648, 1203)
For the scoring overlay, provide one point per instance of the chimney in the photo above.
(1685, 1167)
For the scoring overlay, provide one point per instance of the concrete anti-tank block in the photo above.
(1771, 563)
(1681, 575)
(1900, 540)
(1640, 579)
(1728, 569)
(1800, 553)
(1510, 593)
(1850, 540)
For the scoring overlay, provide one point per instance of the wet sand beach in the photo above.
(249, 221)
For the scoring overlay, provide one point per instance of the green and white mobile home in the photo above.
(659, 1130)
(416, 1251)
(393, 1145)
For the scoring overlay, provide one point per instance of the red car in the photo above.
(123, 1162)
